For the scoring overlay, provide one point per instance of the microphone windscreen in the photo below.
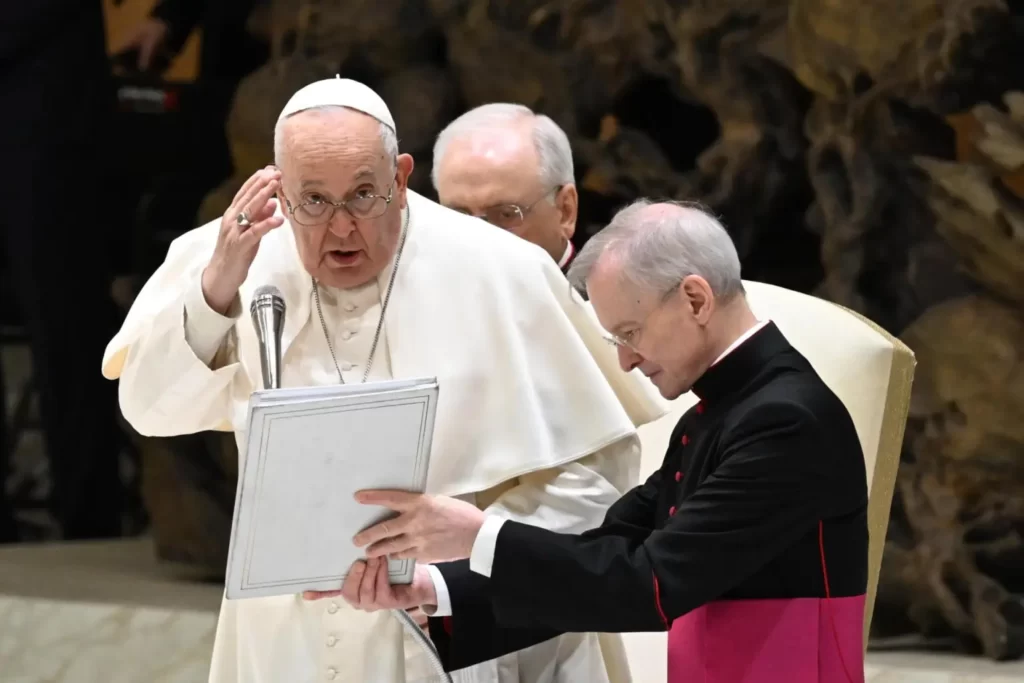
(267, 291)
(267, 294)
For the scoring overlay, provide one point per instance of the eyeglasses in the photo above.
(512, 216)
(630, 339)
(321, 211)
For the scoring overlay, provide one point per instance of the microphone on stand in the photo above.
(267, 311)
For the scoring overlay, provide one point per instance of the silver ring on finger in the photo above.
(243, 219)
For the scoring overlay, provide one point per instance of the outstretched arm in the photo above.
(768, 491)
(570, 499)
(471, 634)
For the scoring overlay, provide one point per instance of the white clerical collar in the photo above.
(567, 255)
(742, 338)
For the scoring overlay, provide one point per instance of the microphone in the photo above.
(267, 311)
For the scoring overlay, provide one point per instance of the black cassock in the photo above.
(762, 481)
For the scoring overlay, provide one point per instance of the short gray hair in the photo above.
(388, 137)
(658, 249)
(553, 150)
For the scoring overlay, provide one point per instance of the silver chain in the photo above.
(383, 309)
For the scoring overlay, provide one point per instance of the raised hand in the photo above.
(247, 220)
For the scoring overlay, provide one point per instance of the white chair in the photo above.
(870, 370)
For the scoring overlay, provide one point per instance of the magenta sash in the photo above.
(803, 640)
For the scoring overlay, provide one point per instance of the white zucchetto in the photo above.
(341, 92)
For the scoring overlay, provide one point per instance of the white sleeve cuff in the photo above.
(481, 560)
(444, 601)
(205, 328)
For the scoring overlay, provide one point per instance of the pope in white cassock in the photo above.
(535, 421)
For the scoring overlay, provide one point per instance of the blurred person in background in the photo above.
(56, 99)
(228, 52)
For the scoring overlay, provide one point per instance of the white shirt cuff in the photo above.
(205, 328)
(444, 601)
(481, 560)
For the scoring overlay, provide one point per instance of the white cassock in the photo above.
(535, 421)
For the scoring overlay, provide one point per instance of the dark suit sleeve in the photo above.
(636, 510)
(471, 635)
(770, 488)
(635, 513)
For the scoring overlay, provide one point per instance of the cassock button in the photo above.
(346, 335)
(685, 439)
(349, 306)
(700, 408)
(679, 475)
(347, 366)
(332, 608)
(331, 641)
(332, 673)
(672, 511)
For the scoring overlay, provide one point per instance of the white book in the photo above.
(308, 451)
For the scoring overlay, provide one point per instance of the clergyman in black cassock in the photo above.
(748, 546)
(762, 496)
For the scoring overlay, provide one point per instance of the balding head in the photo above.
(333, 154)
(664, 280)
(512, 167)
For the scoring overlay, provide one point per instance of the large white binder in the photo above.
(308, 451)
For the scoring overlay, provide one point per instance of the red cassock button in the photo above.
(686, 439)
(679, 475)
(700, 408)
(672, 511)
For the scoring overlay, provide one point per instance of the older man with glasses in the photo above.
(513, 168)
(534, 421)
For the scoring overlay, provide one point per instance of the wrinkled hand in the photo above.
(428, 528)
(368, 588)
(237, 244)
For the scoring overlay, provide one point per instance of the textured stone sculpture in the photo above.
(870, 152)
(955, 544)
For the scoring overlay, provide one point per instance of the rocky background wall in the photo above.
(869, 152)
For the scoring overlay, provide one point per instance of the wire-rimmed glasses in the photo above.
(320, 211)
(512, 216)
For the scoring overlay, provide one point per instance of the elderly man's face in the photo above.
(494, 174)
(664, 334)
(337, 156)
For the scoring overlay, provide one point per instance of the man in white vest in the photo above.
(535, 421)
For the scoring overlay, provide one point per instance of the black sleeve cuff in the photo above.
(471, 635)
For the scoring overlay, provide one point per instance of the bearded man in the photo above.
(535, 420)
